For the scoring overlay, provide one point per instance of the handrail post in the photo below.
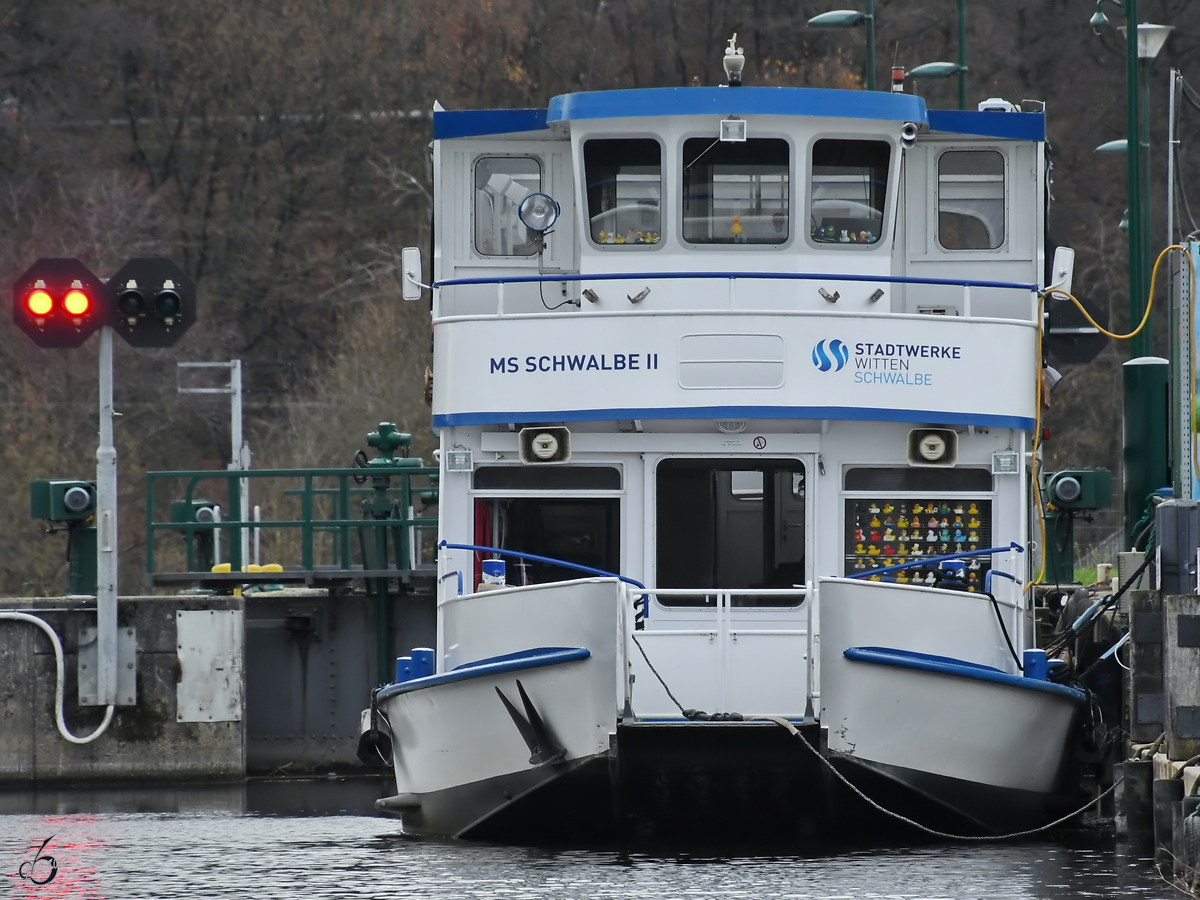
(500, 299)
(406, 528)
(967, 300)
(150, 528)
(306, 539)
(344, 514)
(236, 563)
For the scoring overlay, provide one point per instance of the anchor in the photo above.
(544, 749)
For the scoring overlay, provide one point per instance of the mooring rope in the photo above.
(778, 720)
(693, 714)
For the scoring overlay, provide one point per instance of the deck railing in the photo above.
(732, 277)
(339, 523)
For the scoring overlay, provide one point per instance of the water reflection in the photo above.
(271, 841)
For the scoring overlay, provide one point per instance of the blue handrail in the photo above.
(780, 276)
(933, 559)
(544, 559)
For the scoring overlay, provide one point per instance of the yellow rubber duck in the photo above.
(736, 227)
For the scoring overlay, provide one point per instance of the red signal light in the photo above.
(77, 303)
(39, 303)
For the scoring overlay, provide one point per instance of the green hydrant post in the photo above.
(1146, 423)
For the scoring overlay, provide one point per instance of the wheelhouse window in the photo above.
(624, 190)
(501, 183)
(849, 191)
(736, 192)
(730, 524)
(971, 200)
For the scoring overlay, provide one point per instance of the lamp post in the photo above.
(850, 18)
(946, 69)
(1144, 454)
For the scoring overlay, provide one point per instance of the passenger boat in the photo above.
(736, 390)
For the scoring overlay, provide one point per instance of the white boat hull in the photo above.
(910, 690)
(458, 753)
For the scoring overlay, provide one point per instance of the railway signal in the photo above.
(154, 302)
(59, 303)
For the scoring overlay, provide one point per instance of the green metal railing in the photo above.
(388, 514)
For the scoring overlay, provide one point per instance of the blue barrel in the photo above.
(422, 662)
(404, 669)
(1036, 665)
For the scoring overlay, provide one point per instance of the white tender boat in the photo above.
(724, 375)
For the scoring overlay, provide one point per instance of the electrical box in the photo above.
(1177, 524)
(61, 500)
(1079, 488)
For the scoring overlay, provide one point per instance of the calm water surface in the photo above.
(296, 841)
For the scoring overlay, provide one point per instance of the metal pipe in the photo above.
(106, 523)
(59, 668)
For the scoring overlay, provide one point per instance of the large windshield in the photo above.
(735, 192)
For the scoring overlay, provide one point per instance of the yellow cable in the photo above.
(1149, 300)
(1037, 434)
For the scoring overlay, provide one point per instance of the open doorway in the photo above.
(736, 523)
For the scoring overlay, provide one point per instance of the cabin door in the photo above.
(728, 620)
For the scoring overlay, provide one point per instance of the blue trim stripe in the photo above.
(459, 123)
(958, 668)
(721, 101)
(840, 413)
(495, 665)
(1013, 126)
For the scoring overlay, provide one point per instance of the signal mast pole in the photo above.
(106, 528)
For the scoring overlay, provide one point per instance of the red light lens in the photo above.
(77, 303)
(39, 303)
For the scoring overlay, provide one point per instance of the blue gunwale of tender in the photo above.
(848, 413)
(534, 658)
(945, 665)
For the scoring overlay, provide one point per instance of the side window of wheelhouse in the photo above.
(971, 200)
(849, 191)
(501, 183)
(624, 190)
(736, 192)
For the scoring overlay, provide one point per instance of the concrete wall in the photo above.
(144, 741)
(308, 670)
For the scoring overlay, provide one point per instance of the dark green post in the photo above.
(870, 22)
(962, 54)
(387, 440)
(83, 558)
(1147, 412)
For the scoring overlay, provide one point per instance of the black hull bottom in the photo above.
(726, 783)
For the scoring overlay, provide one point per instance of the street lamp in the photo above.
(851, 18)
(946, 69)
(1145, 456)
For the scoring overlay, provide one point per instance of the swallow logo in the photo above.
(834, 358)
